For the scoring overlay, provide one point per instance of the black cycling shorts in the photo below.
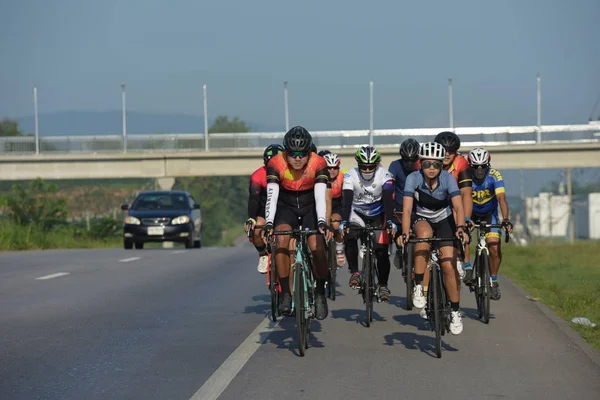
(287, 215)
(444, 228)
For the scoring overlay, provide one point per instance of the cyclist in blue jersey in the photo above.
(438, 202)
(400, 169)
(488, 193)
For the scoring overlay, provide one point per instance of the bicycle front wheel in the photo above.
(274, 288)
(408, 266)
(332, 270)
(367, 283)
(438, 311)
(484, 275)
(300, 300)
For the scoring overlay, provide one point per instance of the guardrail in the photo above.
(470, 136)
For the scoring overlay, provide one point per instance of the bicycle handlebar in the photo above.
(485, 225)
(433, 239)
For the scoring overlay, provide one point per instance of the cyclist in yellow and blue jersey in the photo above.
(488, 193)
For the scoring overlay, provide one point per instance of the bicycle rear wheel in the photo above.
(484, 265)
(408, 269)
(300, 301)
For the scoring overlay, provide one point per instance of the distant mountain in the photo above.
(82, 123)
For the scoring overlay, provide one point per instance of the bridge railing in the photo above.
(470, 136)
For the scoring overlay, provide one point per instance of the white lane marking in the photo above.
(222, 377)
(179, 251)
(52, 276)
(129, 259)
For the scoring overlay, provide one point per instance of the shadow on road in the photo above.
(412, 320)
(284, 337)
(355, 315)
(413, 341)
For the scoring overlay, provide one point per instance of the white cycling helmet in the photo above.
(479, 156)
(332, 160)
(432, 151)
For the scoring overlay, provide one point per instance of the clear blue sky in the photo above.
(78, 52)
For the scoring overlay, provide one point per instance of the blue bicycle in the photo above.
(303, 296)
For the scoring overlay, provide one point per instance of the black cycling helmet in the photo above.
(449, 140)
(297, 139)
(322, 153)
(313, 148)
(271, 151)
(409, 149)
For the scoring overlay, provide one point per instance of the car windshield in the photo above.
(161, 201)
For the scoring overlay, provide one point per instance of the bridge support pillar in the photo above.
(166, 183)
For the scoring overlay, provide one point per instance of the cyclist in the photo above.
(296, 190)
(337, 181)
(458, 166)
(488, 193)
(400, 169)
(256, 205)
(437, 197)
(368, 197)
(322, 153)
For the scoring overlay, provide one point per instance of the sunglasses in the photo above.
(367, 168)
(297, 154)
(486, 166)
(333, 168)
(429, 164)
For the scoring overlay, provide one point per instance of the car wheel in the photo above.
(127, 245)
(139, 245)
(198, 244)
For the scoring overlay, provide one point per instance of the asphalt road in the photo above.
(159, 323)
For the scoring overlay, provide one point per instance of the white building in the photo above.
(547, 215)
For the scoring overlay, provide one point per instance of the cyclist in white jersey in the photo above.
(368, 197)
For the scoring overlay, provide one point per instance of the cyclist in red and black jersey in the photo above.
(256, 205)
(296, 190)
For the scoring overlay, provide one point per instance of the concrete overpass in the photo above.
(166, 166)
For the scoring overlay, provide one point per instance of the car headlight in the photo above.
(184, 219)
(131, 220)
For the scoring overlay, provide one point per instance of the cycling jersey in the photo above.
(460, 170)
(434, 205)
(366, 197)
(399, 173)
(336, 186)
(258, 193)
(484, 193)
(296, 189)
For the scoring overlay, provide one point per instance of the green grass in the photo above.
(17, 237)
(565, 277)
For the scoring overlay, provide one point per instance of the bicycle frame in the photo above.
(304, 284)
(481, 286)
(368, 289)
(437, 298)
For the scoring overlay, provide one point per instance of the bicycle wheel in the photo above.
(437, 311)
(300, 300)
(485, 287)
(273, 288)
(367, 282)
(332, 270)
(409, 273)
(475, 287)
